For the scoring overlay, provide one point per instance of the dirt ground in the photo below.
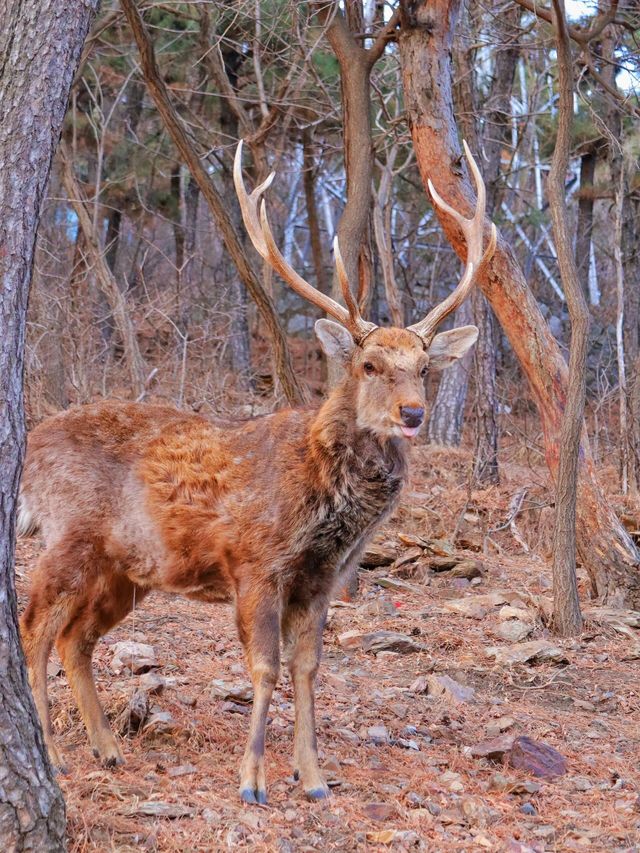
(397, 738)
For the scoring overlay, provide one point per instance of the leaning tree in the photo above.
(40, 46)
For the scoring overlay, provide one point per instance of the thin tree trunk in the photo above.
(40, 47)
(293, 388)
(584, 226)
(567, 619)
(605, 548)
(315, 239)
(106, 282)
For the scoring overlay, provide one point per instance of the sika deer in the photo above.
(269, 514)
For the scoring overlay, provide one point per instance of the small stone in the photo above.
(170, 811)
(182, 770)
(378, 734)
(468, 607)
(414, 800)
(211, 816)
(528, 809)
(581, 783)
(238, 691)
(468, 569)
(496, 727)
(390, 641)
(445, 687)
(160, 723)
(539, 759)
(493, 749)
(152, 683)
(514, 630)
(433, 808)
(134, 715)
(379, 811)
(535, 651)
(134, 657)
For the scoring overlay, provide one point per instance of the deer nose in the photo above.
(412, 416)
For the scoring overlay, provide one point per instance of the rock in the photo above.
(414, 800)
(378, 555)
(452, 781)
(537, 758)
(440, 547)
(238, 691)
(581, 783)
(409, 556)
(211, 816)
(160, 723)
(378, 734)
(152, 683)
(468, 607)
(445, 687)
(468, 569)
(509, 612)
(493, 749)
(157, 808)
(502, 782)
(528, 809)
(442, 564)
(351, 640)
(514, 630)
(496, 727)
(396, 585)
(474, 811)
(406, 837)
(132, 718)
(535, 651)
(182, 770)
(379, 811)
(134, 657)
(390, 641)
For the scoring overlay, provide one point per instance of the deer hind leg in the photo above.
(39, 624)
(302, 632)
(258, 626)
(105, 601)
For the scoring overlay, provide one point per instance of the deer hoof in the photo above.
(255, 797)
(321, 793)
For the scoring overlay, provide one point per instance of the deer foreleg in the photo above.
(302, 631)
(260, 636)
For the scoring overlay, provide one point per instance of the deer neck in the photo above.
(345, 456)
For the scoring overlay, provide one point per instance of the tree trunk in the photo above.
(567, 619)
(315, 238)
(447, 412)
(40, 46)
(604, 547)
(106, 282)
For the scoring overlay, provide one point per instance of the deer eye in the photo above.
(424, 371)
(369, 368)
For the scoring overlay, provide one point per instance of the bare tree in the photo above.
(566, 606)
(40, 46)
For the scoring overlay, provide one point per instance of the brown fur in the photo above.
(269, 514)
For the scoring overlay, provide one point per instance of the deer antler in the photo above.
(473, 230)
(259, 231)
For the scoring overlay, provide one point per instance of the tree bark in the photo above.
(604, 547)
(567, 619)
(309, 182)
(40, 46)
(292, 386)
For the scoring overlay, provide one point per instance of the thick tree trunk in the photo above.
(40, 46)
(604, 547)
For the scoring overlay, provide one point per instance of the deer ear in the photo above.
(448, 347)
(335, 340)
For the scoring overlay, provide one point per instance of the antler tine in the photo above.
(361, 326)
(259, 231)
(473, 230)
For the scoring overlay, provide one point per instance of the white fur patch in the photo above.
(27, 523)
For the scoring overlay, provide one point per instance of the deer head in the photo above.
(387, 365)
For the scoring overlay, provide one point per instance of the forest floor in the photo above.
(403, 722)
